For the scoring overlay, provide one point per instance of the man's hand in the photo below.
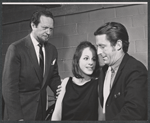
(58, 90)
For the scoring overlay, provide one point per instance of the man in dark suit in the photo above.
(123, 79)
(28, 70)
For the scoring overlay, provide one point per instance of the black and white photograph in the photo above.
(75, 61)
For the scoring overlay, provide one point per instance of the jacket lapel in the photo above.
(48, 59)
(32, 55)
(124, 61)
(103, 73)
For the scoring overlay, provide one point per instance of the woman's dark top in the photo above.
(80, 102)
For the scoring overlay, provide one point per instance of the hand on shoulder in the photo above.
(63, 84)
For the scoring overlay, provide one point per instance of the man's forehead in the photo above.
(102, 39)
(45, 18)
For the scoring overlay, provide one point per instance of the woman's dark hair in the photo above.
(114, 31)
(75, 62)
(36, 16)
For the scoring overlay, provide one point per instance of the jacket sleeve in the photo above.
(10, 84)
(135, 96)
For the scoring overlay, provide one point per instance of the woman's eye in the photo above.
(86, 58)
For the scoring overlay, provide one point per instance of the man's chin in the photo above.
(105, 62)
(45, 40)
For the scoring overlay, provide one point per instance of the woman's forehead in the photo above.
(88, 51)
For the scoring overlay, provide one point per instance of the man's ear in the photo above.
(118, 45)
(33, 26)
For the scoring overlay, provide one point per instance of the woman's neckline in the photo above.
(80, 82)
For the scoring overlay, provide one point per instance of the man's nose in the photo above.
(48, 31)
(99, 51)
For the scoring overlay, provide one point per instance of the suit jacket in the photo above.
(23, 85)
(128, 98)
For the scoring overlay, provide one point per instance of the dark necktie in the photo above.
(41, 57)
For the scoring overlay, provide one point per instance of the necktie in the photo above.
(41, 57)
(106, 88)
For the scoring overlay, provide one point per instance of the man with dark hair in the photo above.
(30, 66)
(123, 79)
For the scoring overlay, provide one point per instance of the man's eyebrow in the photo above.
(100, 44)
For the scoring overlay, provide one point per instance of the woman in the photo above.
(78, 99)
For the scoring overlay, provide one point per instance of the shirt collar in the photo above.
(34, 41)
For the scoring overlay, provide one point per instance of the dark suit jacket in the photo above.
(128, 99)
(23, 86)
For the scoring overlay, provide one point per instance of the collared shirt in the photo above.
(37, 48)
(115, 69)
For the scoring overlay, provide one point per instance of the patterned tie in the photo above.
(41, 56)
(106, 89)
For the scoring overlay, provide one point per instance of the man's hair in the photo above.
(77, 55)
(36, 16)
(114, 31)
